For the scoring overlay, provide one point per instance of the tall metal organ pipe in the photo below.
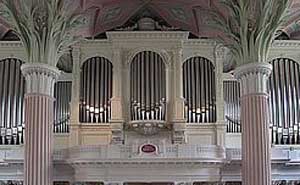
(148, 87)
(232, 106)
(284, 90)
(62, 94)
(284, 102)
(11, 102)
(199, 90)
(96, 85)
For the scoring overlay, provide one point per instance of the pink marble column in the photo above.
(40, 79)
(256, 156)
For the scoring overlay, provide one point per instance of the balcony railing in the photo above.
(132, 153)
(290, 155)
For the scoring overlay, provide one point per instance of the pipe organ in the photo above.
(11, 102)
(96, 90)
(62, 94)
(148, 87)
(232, 105)
(199, 90)
(284, 104)
(284, 90)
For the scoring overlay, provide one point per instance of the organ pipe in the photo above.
(232, 106)
(284, 104)
(199, 91)
(284, 101)
(11, 102)
(62, 94)
(96, 91)
(147, 87)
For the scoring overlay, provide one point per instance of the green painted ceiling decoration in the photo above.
(247, 27)
(250, 26)
(47, 28)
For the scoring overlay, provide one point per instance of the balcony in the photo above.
(126, 153)
(280, 154)
(106, 154)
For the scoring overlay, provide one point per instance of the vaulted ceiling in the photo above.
(188, 15)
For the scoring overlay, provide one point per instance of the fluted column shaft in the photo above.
(39, 116)
(256, 157)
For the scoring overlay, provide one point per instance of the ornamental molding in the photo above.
(92, 54)
(199, 42)
(40, 78)
(207, 56)
(285, 43)
(93, 43)
(253, 77)
(162, 52)
(147, 35)
(15, 44)
(253, 68)
(29, 68)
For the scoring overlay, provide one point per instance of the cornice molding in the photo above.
(199, 42)
(147, 35)
(159, 35)
(98, 42)
(286, 43)
(16, 44)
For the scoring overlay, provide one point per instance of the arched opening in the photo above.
(199, 90)
(148, 87)
(96, 90)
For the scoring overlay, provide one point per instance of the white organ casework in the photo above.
(141, 102)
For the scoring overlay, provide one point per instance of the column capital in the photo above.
(253, 77)
(40, 78)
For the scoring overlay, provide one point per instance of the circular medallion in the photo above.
(148, 148)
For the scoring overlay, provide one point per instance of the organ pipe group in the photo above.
(148, 96)
(96, 90)
(284, 104)
(199, 90)
(11, 102)
(232, 105)
(62, 94)
(284, 90)
(148, 87)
